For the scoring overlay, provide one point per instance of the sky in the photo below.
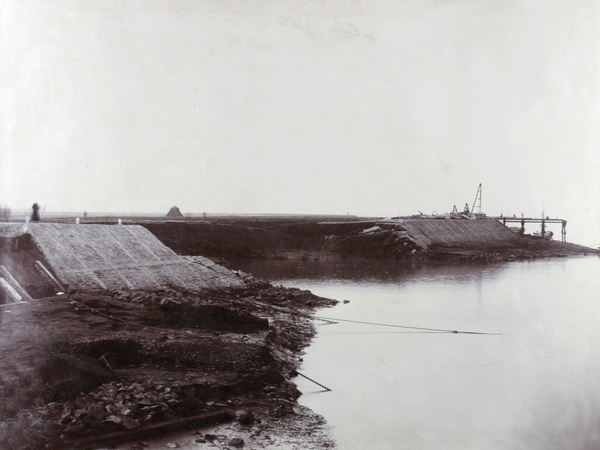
(372, 108)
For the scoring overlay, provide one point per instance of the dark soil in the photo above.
(246, 238)
(77, 368)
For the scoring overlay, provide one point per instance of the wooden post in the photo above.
(12, 281)
(48, 275)
(522, 227)
(14, 295)
(543, 228)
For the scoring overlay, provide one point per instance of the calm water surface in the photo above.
(536, 385)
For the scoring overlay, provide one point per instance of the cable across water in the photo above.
(438, 330)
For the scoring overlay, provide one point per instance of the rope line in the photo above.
(328, 320)
(438, 330)
(316, 382)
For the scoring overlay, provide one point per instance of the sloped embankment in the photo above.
(93, 257)
(46, 258)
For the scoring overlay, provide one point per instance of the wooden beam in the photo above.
(14, 295)
(170, 426)
(49, 275)
(14, 283)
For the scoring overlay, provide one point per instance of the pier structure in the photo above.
(523, 220)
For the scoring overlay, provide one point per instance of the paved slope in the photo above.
(472, 234)
(114, 257)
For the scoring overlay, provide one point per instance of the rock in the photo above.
(130, 424)
(201, 441)
(293, 392)
(283, 410)
(96, 412)
(246, 418)
(236, 442)
(122, 409)
(172, 445)
(115, 419)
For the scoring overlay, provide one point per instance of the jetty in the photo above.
(541, 221)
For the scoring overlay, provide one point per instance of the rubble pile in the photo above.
(112, 407)
(161, 296)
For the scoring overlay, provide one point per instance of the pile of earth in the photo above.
(83, 370)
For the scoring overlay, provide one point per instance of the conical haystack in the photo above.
(174, 212)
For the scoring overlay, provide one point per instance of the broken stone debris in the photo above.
(112, 407)
(236, 442)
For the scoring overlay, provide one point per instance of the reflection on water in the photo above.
(534, 386)
(351, 269)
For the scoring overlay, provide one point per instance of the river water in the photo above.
(535, 384)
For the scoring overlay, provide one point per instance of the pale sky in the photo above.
(365, 107)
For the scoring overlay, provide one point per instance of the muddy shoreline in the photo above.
(91, 370)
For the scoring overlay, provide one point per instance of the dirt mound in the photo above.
(83, 368)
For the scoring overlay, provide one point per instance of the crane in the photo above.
(477, 201)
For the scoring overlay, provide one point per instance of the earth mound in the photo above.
(174, 212)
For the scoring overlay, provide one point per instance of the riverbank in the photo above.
(90, 370)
